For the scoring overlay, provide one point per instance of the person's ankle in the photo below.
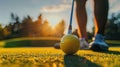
(97, 36)
(83, 39)
(83, 43)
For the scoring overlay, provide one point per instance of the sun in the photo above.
(53, 19)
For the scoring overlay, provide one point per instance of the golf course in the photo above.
(40, 52)
(59, 33)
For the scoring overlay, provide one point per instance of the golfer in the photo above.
(100, 19)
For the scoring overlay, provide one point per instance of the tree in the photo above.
(13, 27)
(113, 27)
(6, 31)
(1, 32)
(16, 25)
(46, 29)
(38, 26)
(12, 15)
(60, 28)
(27, 27)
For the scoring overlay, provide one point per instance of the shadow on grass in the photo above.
(78, 61)
(30, 43)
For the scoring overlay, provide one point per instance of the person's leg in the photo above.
(81, 17)
(100, 20)
(101, 13)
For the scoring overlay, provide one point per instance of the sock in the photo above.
(82, 39)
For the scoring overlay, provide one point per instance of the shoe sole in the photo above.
(97, 47)
(57, 45)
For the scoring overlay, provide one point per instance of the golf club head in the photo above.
(70, 29)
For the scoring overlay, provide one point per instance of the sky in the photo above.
(52, 10)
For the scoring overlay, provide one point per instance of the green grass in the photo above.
(44, 56)
(30, 42)
(41, 42)
(113, 42)
(50, 57)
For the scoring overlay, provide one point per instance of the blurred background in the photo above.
(49, 19)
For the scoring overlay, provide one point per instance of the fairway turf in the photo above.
(39, 41)
(50, 57)
(30, 42)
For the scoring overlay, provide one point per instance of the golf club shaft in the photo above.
(71, 16)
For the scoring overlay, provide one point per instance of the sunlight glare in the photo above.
(53, 19)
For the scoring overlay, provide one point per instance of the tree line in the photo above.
(113, 27)
(42, 28)
(29, 28)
